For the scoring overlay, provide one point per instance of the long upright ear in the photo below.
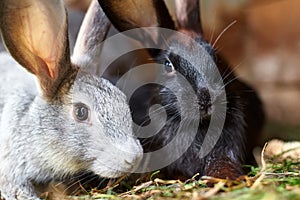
(129, 14)
(93, 31)
(35, 33)
(188, 15)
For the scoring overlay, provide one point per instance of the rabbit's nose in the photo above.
(204, 102)
(205, 109)
(133, 159)
(133, 162)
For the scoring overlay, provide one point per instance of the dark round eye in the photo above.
(169, 66)
(81, 112)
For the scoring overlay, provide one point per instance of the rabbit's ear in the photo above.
(35, 33)
(93, 31)
(188, 15)
(130, 14)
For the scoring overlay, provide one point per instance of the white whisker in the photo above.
(224, 30)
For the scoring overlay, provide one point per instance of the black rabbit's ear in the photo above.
(188, 15)
(130, 14)
(35, 33)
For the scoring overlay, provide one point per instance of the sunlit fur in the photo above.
(40, 138)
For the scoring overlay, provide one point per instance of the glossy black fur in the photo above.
(244, 114)
(243, 124)
(244, 119)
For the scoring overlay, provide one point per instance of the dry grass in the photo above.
(277, 178)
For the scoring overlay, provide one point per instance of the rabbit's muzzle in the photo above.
(204, 103)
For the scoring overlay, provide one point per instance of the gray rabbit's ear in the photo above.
(93, 31)
(35, 33)
(130, 14)
(188, 15)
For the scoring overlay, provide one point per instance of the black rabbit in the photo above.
(183, 60)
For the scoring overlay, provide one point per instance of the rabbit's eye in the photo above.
(81, 112)
(169, 66)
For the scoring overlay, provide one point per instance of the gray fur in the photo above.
(40, 140)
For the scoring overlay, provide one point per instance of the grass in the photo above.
(277, 178)
(277, 183)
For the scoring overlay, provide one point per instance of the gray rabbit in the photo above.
(67, 121)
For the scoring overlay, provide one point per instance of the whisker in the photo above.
(224, 30)
(156, 112)
(232, 70)
(213, 28)
(84, 176)
(75, 177)
(159, 109)
(230, 81)
(101, 182)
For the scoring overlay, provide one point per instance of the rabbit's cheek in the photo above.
(115, 155)
(187, 104)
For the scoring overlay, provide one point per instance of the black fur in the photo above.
(244, 114)
(243, 124)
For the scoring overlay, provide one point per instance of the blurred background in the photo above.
(263, 47)
(261, 41)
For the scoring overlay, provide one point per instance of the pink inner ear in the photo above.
(48, 45)
(51, 69)
(44, 28)
(51, 65)
(39, 66)
(48, 64)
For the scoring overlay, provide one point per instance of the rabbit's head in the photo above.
(209, 111)
(188, 62)
(77, 121)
